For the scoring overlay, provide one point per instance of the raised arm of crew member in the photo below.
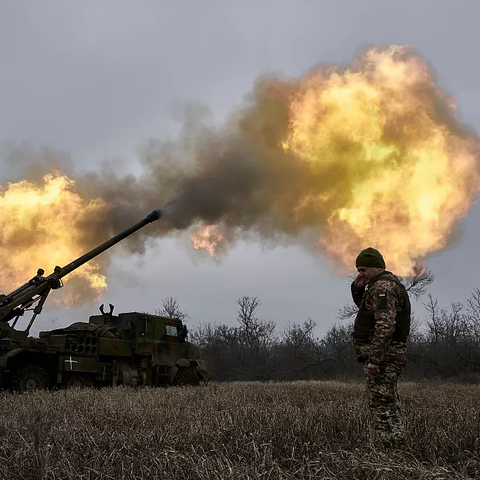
(358, 288)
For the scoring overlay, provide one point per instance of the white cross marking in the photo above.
(71, 362)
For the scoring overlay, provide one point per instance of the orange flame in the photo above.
(40, 228)
(403, 175)
(382, 161)
(211, 239)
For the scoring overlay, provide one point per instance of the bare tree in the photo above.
(247, 309)
(417, 284)
(349, 310)
(301, 350)
(447, 345)
(473, 313)
(299, 337)
(470, 336)
(446, 339)
(257, 332)
(171, 309)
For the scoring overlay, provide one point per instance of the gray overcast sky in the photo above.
(95, 79)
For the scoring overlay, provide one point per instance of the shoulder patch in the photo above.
(382, 300)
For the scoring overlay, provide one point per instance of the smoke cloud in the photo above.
(371, 154)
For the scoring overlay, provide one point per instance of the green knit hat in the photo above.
(370, 258)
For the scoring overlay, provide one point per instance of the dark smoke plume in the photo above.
(243, 177)
(237, 175)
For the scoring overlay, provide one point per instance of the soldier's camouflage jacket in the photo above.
(382, 324)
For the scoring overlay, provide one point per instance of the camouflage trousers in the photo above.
(384, 404)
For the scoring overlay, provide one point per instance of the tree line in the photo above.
(443, 345)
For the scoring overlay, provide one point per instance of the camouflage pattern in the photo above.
(381, 349)
(105, 331)
(132, 348)
(384, 299)
(384, 404)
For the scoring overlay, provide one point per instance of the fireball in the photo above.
(403, 174)
(210, 239)
(41, 226)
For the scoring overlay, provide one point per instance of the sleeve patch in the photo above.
(382, 300)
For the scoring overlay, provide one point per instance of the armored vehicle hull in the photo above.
(135, 349)
(128, 349)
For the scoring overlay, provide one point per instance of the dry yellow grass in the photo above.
(297, 430)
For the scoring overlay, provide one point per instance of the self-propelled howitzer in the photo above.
(36, 290)
(133, 348)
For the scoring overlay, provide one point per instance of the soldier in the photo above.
(380, 334)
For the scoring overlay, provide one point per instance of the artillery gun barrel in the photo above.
(38, 288)
(155, 215)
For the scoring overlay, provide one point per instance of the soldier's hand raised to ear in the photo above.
(361, 280)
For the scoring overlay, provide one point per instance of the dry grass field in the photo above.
(298, 430)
